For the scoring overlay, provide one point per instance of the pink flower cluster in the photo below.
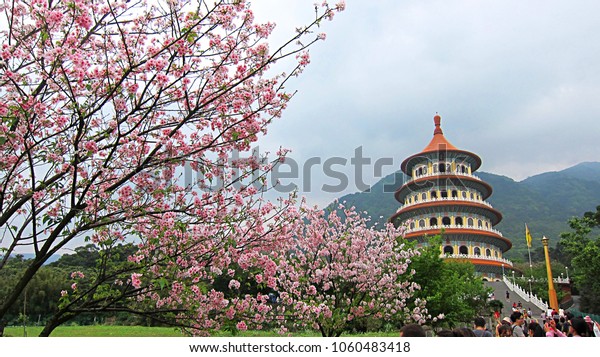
(136, 281)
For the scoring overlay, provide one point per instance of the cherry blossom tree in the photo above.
(337, 271)
(104, 105)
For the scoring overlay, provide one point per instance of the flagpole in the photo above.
(530, 271)
(529, 239)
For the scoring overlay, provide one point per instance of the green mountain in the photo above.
(545, 202)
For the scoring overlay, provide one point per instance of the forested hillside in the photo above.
(545, 202)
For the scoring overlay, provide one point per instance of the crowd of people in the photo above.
(519, 324)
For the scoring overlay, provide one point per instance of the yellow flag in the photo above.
(527, 236)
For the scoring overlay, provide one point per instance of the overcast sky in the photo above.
(516, 82)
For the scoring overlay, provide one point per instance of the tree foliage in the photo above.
(104, 109)
(39, 301)
(585, 252)
(451, 288)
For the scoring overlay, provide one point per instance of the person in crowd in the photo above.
(535, 330)
(445, 333)
(596, 329)
(463, 332)
(579, 327)
(556, 319)
(590, 324)
(543, 317)
(504, 321)
(566, 325)
(505, 330)
(564, 328)
(552, 330)
(517, 321)
(480, 330)
(412, 330)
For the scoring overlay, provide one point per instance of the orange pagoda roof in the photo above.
(439, 141)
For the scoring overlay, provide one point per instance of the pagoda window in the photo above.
(459, 221)
(412, 225)
(442, 167)
(470, 222)
(479, 224)
(463, 250)
(433, 194)
(422, 223)
(464, 194)
(472, 197)
(444, 194)
(488, 253)
(487, 225)
(448, 168)
(435, 168)
(424, 196)
(416, 198)
(448, 250)
(433, 222)
(477, 251)
(446, 221)
(454, 194)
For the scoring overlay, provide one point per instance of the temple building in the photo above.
(441, 192)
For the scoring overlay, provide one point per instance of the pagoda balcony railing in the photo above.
(473, 256)
(453, 226)
(445, 199)
(434, 174)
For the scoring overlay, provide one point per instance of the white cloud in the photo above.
(515, 82)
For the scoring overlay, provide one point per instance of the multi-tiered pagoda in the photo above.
(441, 192)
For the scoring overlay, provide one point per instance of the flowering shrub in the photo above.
(338, 270)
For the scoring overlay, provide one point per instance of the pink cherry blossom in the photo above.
(338, 270)
(234, 284)
(136, 282)
(241, 326)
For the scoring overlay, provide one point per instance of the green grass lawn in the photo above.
(142, 331)
(97, 331)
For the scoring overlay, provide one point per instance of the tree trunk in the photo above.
(58, 319)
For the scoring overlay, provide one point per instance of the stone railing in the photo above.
(527, 297)
(453, 226)
(559, 280)
(470, 256)
(445, 199)
(456, 173)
